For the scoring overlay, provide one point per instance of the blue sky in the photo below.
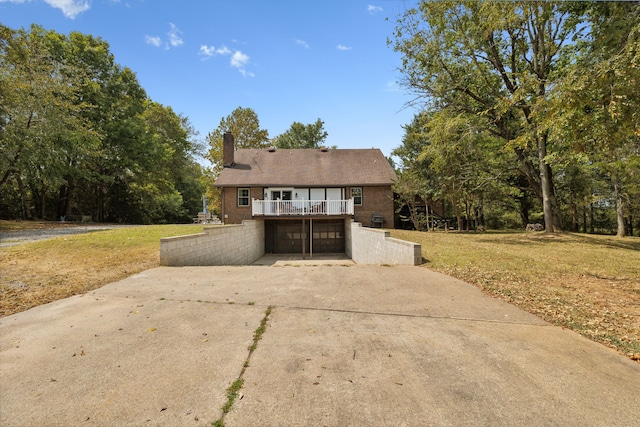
(290, 60)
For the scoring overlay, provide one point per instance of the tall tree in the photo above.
(43, 125)
(78, 135)
(595, 109)
(495, 60)
(299, 135)
(416, 179)
(243, 123)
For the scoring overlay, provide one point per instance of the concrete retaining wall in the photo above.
(239, 244)
(373, 246)
(243, 244)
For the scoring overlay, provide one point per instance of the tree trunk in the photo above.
(524, 210)
(467, 208)
(426, 213)
(23, 199)
(557, 215)
(574, 212)
(43, 204)
(619, 210)
(71, 185)
(458, 213)
(546, 181)
(480, 214)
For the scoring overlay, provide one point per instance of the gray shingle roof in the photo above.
(307, 167)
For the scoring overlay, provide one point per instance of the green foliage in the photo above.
(243, 123)
(302, 136)
(525, 99)
(495, 61)
(595, 107)
(78, 135)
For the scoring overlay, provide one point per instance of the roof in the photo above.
(307, 167)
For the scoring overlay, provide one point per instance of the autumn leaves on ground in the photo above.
(590, 284)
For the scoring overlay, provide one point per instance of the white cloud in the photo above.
(174, 38)
(239, 59)
(373, 9)
(174, 35)
(302, 43)
(343, 47)
(70, 8)
(155, 41)
(210, 51)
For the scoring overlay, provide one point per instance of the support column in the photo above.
(310, 238)
(304, 240)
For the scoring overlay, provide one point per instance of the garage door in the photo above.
(284, 237)
(328, 237)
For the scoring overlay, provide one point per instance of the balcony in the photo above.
(301, 207)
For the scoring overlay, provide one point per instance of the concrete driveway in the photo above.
(343, 346)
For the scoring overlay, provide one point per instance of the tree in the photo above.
(79, 136)
(243, 123)
(416, 180)
(43, 125)
(173, 191)
(410, 190)
(302, 136)
(596, 106)
(495, 60)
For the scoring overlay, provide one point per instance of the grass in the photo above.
(587, 283)
(36, 273)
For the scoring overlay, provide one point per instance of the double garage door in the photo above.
(286, 237)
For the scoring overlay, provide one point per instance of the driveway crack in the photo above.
(234, 389)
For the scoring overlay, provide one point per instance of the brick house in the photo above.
(306, 192)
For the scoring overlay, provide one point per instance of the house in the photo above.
(306, 192)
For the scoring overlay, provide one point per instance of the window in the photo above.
(356, 195)
(243, 197)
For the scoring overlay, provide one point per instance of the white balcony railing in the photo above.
(301, 207)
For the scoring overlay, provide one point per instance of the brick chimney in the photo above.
(227, 150)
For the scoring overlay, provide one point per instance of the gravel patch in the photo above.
(12, 238)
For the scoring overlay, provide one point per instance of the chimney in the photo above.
(227, 150)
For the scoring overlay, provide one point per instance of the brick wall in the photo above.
(372, 246)
(239, 244)
(374, 199)
(234, 214)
